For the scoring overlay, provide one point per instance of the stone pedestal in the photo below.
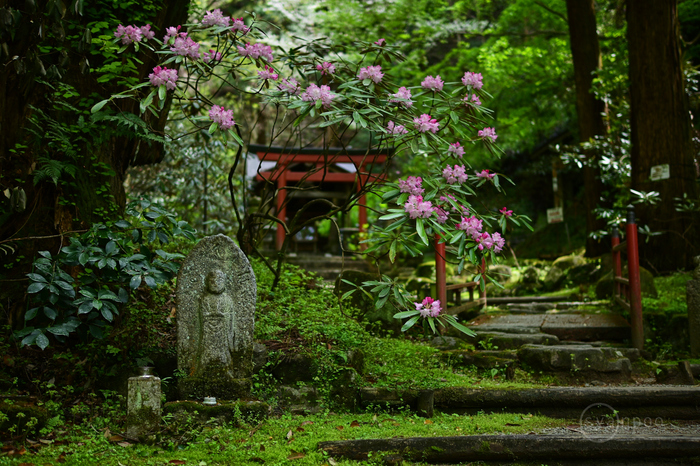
(692, 289)
(143, 405)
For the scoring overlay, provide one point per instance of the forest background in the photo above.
(598, 92)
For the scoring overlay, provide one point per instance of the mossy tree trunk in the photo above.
(661, 134)
(585, 51)
(46, 90)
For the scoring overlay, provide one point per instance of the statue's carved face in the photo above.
(216, 282)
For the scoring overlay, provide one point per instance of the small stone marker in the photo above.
(143, 405)
(692, 293)
(216, 294)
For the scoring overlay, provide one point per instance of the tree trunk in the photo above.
(100, 159)
(660, 126)
(587, 60)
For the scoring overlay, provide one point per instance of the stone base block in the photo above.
(226, 411)
(196, 388)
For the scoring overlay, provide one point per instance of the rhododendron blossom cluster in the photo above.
(290, 86)
(412, 185)
(268, 73)
(221, 116)
(429, 307)
(473, 80)
(416, 207)
(185, 46)
(433, 84)
(456, 149)
(426, 123)
(215, 18)
(485, 174)
(488, 133)
(458, 174)
(396, 129)
(326, 68)
(322, 94)
(131, 34)
(256, 51)
(163, 76)
(404, 95)
(211, 55)
(371, 72)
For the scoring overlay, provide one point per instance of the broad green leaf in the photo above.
(420, 229)
(41, 341)
(98, 106)
(410, 323)
(404, 314)
(36, 287)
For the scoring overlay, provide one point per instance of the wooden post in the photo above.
(440, 272)
(635, 288)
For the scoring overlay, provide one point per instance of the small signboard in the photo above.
(555, 215)
(660, 172)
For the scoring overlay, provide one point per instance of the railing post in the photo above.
(617, 263)
(482, 293)
(635, 288)
(440, 272)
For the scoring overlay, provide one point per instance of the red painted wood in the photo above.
(440, 272)
(635, 287)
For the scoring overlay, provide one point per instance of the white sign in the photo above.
(555, 215)
(660, 172)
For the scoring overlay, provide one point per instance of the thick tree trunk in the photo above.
(96, 189)
(586, 55)
(661, 134)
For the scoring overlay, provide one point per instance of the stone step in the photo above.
(628, 402)
(485, 359)
(506, 449)
(579, 358)
(582, 327)
(505, 341)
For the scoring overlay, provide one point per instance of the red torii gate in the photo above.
(363, 160)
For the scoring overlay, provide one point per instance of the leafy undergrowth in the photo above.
(279, 441)
(671, 298)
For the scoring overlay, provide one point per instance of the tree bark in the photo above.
(27, 82)
(661, 133)
(587, 60)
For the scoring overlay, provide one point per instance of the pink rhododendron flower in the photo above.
(473, 99)
(485, 174)
(487, 133)
(416, 207)
(506, 212)
(405, 95)
(380, 42)
(147, 33)
(412, 185)
(433, 84)
(455, 175)
(239, 25)
(326, 68)
(471, 226)
(221, 116)
(268, 73)
(456, 149)
(473, 80)
(429, 307)
(185, 46)
(290, 86)
(426, 123)
(371, 72)
(442, 215)
(128, 34)
(171, 33)
(256, 51)
(313, 93)
(396, 129)
(211, 55)
(162, 76)
(215, 18)
(498, 242)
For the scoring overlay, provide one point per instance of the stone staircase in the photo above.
(328, 266)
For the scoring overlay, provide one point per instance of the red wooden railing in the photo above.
(628, 291)
(442, 287)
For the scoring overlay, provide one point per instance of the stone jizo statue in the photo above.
(216, 295)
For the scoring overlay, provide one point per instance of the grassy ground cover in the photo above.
(283, 440)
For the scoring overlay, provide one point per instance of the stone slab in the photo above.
(508, 448)
(582, 327)
(506, 341)
(568, 358)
